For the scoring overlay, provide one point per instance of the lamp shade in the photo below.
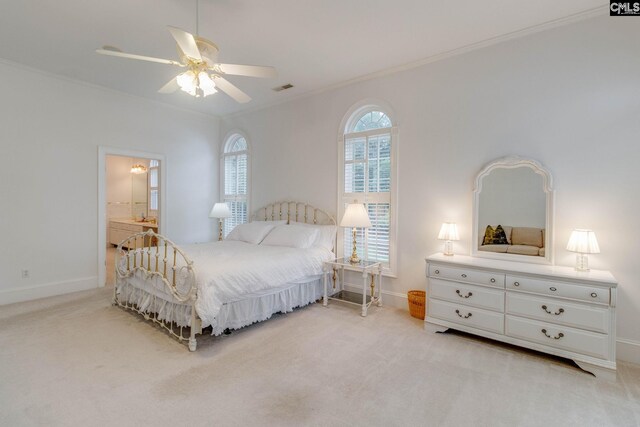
(584, 242)
(220, 210)
(355, 216)
(448, 231)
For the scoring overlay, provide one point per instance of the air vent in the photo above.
(283, 87)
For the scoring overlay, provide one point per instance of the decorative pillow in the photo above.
(293, 236)
(326, 234)
(488, 235)
(251, 232)
(495, 236)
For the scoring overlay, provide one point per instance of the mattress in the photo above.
(230, 272)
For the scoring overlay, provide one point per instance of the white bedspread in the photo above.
(226, 271)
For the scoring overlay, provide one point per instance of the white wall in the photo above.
(118, 186)
(568, 97)
(50, 130)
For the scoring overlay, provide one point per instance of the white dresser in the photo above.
(552, 309)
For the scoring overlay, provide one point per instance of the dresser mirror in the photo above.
(513, 211)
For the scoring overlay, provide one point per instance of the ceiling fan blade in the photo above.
(170, 87)
(107, 50)
(231, 90)
(248, 70)
(187, 43)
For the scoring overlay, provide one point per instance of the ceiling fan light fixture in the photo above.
(198, 85)
(207, 84)
(188, 82)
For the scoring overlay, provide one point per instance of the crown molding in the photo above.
(570, 19)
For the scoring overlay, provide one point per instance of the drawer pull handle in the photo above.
(552, 289)
(516, 283)
(463, 296)
(492, 280)
(437, 271)
(464, 275)
(557, 313)
(593, 295)
(557, 337)
(460, 315)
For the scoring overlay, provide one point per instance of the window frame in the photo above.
(229, 140)
(153, 213)
(349, 122)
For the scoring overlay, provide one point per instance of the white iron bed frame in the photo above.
(155, 258)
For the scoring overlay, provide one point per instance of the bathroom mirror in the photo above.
(513, 211)
(139, 191)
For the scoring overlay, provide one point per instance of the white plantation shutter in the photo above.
(367, 177)
(378, 238)
(236, 181)
(238, 215)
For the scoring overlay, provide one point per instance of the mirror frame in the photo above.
(512, 162)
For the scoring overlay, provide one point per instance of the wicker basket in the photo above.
(417, 303)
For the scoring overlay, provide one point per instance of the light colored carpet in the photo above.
(77, 360)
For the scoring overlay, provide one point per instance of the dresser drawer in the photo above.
(562, 337)
(476, 296)
(560, 312)
(467, 275)
(467, 316)
(559, 289)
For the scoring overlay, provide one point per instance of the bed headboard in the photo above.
(293, 211)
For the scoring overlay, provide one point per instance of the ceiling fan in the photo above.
(204, 74)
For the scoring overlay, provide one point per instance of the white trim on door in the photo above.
(103, 152)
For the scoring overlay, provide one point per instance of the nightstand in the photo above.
(370, 270)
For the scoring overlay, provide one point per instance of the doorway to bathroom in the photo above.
(131, 200)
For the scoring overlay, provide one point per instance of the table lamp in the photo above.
(583, 242)
(220, 211)
(448, 232)
(355, 216)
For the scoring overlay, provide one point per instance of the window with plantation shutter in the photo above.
(153, 186)
(367, 174)
(235, 181)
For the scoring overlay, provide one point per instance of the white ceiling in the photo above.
(313, 44)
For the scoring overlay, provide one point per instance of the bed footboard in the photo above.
(154, 259)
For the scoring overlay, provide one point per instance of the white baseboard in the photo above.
(628, 350)
(392, 299)
(9, 296)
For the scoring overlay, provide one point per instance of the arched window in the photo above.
(367, 175)
(235, 180)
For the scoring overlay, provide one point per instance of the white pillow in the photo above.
(251, 232)
(293, 236)
(326, 235)
(274, 223)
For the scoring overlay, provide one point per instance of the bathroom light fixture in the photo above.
(448, 232)
(583, 242)
(355, 216)
(220, 211)
(138, 168)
